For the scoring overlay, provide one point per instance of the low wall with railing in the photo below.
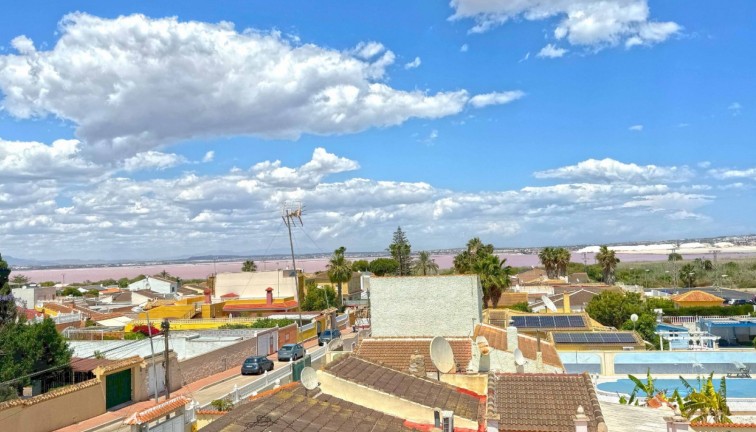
(691, 319)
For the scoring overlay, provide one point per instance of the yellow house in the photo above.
(696, 298)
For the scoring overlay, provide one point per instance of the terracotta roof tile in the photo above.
(545, 402)
(426, 392)
(157, 411)
(50, 395)
(395, 352)
(696, 296)
(120, 364)
(286, 305)
(291, 408)
(497, 339)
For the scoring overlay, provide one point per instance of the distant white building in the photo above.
(253, 284)
(425, 306)
(154, 284)
(28, 296)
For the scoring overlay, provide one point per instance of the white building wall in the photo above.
(425, 305)
(31, 295)
(253, 284)
(154, 285)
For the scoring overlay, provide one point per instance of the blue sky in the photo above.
(134, 129)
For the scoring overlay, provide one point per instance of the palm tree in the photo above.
(561, 259)
(608, 262)
(425, 265)
(249, 266)
(706, 404)
(548, 258)
(688, 274)
(494, 277)
(476, 249)
(339, 269)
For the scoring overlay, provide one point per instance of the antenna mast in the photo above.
(291, 212)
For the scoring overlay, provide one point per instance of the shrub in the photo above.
(146, 330)
(134, 336)
(222, 404)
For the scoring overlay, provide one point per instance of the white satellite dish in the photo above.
(519, 358)
(548, 303)
(309, 378)
(442, 355)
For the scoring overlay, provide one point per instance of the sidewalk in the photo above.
(116, 417)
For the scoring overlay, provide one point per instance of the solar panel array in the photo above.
(548, 321)
(594, 338)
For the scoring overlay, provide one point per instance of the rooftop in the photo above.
(395, 352)
(696, 296)
(497, 339)
(545, 402)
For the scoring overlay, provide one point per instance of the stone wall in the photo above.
(217, 361)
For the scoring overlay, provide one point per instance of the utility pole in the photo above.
(674, 265)
(290, 213)
(716, 269)
(166, 327)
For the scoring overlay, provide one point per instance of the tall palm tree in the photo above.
(339, 269)
(561, 259)
(476, 249)
(547, 256)
(608, 262)
(249, 266)
(425, 265)
(494, 277)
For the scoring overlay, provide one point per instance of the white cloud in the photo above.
(62, 160)
(636, 128)
(132, 84)
(722, 173)
(590, 23)
(464, 48)
(413, 64)
(551, 51)
(153, 160)
(610, 170)
(735, 108)
(209, 157)
(496, 98)
(704, 164)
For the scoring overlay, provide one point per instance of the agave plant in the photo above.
(705, 404)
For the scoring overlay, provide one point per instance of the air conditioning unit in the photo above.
(447, 421)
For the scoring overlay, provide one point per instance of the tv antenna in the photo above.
(291, 212)
(309, 378)
(442, 355)
(548, 303)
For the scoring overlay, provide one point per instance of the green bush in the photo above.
(134, 336)
(260, 323)
(222, 404)
(522, 307)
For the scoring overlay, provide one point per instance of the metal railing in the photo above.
(268, 379)
(693, 319)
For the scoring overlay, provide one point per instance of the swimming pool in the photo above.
(736, 387)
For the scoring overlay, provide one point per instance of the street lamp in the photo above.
(634, 319)
(647, 284)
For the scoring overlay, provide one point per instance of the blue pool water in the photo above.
(736, 387)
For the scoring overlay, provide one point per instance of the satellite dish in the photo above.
(442, 355)
(548, 303)
(309, 378)
(519, 358)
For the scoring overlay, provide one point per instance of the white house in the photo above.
(28, 296)
(425, 306)
(253, 284)
(154, 284)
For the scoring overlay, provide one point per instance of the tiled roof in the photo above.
(426, 392)
(395, 352)
(157, 411)
(58, 307)
(88, 364)
(545, 402)
(150, 294)
(696, 296)
(120, 364)
(291, 408)
(28, 313)
(49, 395)
(497, 339)
(241, 307)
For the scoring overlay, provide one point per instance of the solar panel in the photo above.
(594, 338)
(548, 321)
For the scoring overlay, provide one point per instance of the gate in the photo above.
(117, 388)
(298, 366)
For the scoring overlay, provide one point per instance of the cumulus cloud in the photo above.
(62, 160)
(153, 160)
(724, 173)
(581, 22)
(209, 157)
(413, 64)
(496, 98)
(551, 51)
(132, 84)
(610, 170)
(636, 128)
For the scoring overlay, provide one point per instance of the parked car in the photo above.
(328, 336)
(291, 352)
(256, 365)
(738, 302)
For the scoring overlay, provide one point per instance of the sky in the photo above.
(156, 129)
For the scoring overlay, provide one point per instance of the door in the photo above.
(159, 369)
(117, 388)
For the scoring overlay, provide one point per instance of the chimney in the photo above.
(417, 365)
(566, 303)
(539, 354)
(208, 296)
(492, 411)
(512, 342)
(269, 296)
(581, 420)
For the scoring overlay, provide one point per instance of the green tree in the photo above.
(494, 277)
(401, 251)
(674, 256)
(249, 266)
(645, 326)
(688, 274)
(361, 266)
(476, 249)
(522, 307)
(70, 291)
(123, 282)
(384, 266)
(608, 261)
(19, 280)
(92, 293)
(8, 312)
(318, 299)
(613, 308)
(339, 270)
(424, 264)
